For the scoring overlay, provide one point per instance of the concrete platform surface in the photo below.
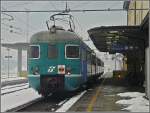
(102, 96)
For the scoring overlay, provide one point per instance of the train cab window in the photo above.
(52, 51)
(34, 51)
(72, 51)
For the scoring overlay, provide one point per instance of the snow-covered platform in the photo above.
(135, 102)
(108, 98)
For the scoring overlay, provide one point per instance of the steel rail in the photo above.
(13, 91)
(19, 85)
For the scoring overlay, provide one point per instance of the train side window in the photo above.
(72, 51)
(34, 51)
(52, 51)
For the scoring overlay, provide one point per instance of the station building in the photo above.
(135, 17)
(140, 17)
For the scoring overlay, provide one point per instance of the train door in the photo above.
(89, 64)
(83, 64)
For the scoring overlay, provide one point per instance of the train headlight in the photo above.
(61, 69)
(68, 70)
(119, 76)
(35, 70)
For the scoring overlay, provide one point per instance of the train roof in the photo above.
(58, 36)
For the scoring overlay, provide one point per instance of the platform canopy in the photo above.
(114, 39)
(16, 46)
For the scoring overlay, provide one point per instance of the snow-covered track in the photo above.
(13, 82)
(54, 102)
(14, 88)
(18, 108)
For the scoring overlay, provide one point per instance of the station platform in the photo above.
(103, 97)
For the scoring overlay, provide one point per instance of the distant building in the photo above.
(135, 17)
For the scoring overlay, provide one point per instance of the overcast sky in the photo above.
(83, 20)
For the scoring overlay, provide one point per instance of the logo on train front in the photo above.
(51, 69)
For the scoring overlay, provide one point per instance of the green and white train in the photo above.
(60, 61)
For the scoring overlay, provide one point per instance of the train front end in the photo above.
(54, 62)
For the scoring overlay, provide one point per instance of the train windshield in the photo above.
(34, 51)
(52, 51)
(72, 51)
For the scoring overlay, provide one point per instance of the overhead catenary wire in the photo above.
(6, 19)
(23, 22)
(11, 26)
(80, 28)
(21, 4)
(32, 28)
(80, 10)
(79, 24)
(12, 18)
(12, 31)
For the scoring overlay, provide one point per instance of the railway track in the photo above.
(53, 103)
(14, 88)
(13, 82)
(18, 108)
(50, 104)
(97, 94)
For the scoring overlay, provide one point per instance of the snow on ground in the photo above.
(136, 103)
(70, 102)
(12, 100)
(11, 88)
(62, 102)
(131, 94)
(11, 79)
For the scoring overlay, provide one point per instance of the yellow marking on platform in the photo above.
(93, 100)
